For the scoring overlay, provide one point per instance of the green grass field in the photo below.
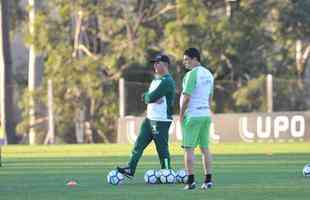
(241, 171)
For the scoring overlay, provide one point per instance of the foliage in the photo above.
(251, 97)
(235, 49)
(292, 23)
(88, 81)
(120, 37)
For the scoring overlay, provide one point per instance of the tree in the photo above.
(89, 55)
(32, 73)
(233, 47)
(7, 110)
(291, 23)
(294, 27)
(97, 42)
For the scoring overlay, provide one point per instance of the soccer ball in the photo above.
(167, 176)
(115, 178)
(182, 176)
(151, 176)
(306, 170)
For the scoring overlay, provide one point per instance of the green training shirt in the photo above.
(160, 98)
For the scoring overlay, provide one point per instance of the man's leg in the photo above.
(205, 152)
(190, 133)
(143, 140)
(189, 159)
(206, 160)
(207, 166)
(161, 139)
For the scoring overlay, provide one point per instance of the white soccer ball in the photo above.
(181, 176)
(167, 176)
(151, 176)
(306, 170)
(115, 178)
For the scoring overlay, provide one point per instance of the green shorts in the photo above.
(195, 130)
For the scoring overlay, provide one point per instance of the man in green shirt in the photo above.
(160, 100)
(195, 116)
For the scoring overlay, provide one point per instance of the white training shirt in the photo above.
(198, 83)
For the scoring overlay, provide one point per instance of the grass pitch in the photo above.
(241, 171)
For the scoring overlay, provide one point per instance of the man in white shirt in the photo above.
(195, 115)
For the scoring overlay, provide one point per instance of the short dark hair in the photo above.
(192, 53)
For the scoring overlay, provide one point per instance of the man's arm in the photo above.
(184, 105)
(189, 86)
(210, 97)
(155, 95)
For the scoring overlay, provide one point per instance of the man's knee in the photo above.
(206, 153)
(137, 150)
(204, 150)
(189, 153)
(164, 153)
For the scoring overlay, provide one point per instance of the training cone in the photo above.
(71, 183)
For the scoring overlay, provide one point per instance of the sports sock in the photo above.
(208, 178)
(191, 179)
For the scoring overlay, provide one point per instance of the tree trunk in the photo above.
(32, 74)
(86, 43)
(302, 56)
(80, 112)
(50, 137)
(231, 7)
(6, 73)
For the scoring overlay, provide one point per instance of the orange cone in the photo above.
(71, 183)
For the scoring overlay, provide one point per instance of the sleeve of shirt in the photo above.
(190, 82)
(160, 91)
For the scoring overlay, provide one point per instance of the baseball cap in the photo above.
(162, 58)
